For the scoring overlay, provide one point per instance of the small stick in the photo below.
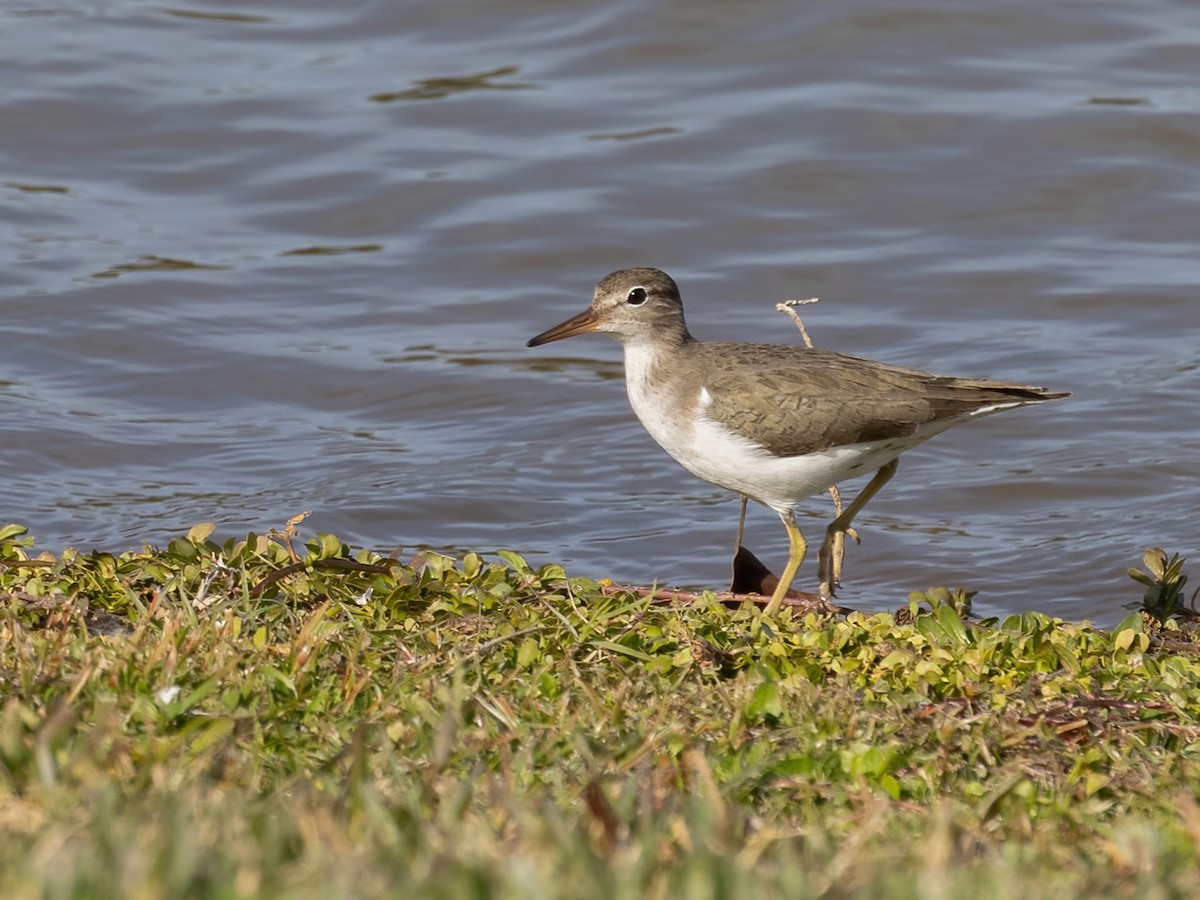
(789, 307)
(805, 602)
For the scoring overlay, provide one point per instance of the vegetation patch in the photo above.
(297, 718)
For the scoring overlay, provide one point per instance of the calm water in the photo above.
(264, 258)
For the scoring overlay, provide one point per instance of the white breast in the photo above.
(666, 414)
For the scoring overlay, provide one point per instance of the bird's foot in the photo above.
(833, 552)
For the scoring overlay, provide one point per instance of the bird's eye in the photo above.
(636, 297)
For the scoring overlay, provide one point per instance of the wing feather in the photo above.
(802, 400)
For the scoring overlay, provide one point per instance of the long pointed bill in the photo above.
(580, 324)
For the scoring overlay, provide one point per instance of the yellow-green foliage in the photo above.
(273, 718)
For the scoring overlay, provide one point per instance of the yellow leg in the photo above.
(832, 551)
(797, 547)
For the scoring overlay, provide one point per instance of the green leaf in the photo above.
(528, 653)
(766, 703)
(221, 728)
(200, 533)
(331, 546)
(952, 624)
(890, 786)
(990, 804)
(622, 649)
(515, 560)
(1132, 622)
(199, 692)
(1155, 561)
(1141, 577)
(11, 531)
(281, 679)
(944, 623)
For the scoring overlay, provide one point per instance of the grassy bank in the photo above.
(275, 718)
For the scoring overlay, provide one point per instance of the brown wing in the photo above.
(793, 400)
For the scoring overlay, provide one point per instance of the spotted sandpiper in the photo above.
(777, 423)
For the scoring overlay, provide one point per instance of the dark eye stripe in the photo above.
(636, 297)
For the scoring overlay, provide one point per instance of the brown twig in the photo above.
(794, 599)
(344, 565)
(290, 532)
(789, 307)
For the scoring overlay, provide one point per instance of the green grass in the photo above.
(268, 718)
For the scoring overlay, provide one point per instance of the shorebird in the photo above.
(775, 422)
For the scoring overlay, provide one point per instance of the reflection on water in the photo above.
(437, 88)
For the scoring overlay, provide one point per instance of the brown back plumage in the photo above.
(794, 400)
